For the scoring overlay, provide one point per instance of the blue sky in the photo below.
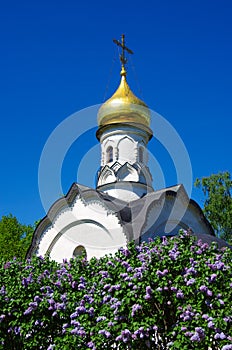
(58, 58)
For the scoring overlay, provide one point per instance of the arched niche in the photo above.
(126, 150)
(79, 251)
(109, 154)
(141, 154)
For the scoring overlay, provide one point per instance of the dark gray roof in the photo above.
(127, 213)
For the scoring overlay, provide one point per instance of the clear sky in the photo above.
(57, 57)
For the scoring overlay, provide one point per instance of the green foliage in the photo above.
(173, 293)
(15, 238)
(217, 189)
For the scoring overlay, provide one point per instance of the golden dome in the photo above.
(124, 107)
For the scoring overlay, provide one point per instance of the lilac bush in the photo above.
(169, 294)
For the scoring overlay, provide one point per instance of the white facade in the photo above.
(85, 225)
(124, 172)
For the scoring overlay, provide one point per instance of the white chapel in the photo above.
(124, 206)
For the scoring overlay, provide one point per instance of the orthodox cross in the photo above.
(124, 48)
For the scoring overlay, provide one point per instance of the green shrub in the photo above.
(173, 293)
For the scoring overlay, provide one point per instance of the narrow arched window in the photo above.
(79, 251)
(141, 154)
(109, 154)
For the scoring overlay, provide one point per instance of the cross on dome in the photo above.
(124, 48)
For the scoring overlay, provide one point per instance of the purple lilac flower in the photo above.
(180, 294)
(46, 273)
(126, 335)
(212, 277)
(100, 318)
(148, 290)
(63, 297)
(81, 332)
(174, 253)
(91, 345)
(204, 246)
(190, 282)
(125, 264)
(206, 317)
(58, 284)
(106, 299)
(187, 314)
(81, 286)
(51, 347)
(138, 275)
(210, 324)
(218, 265)
(190, 271)
(88, 298)
(119, 338)
(17, 330)
(124, 275)
(227, 347)
(128, 279)
(195, 337)
(164, 240)
(74, 284)
(2, 317)
(135, 308)
(200, 331)
(32, 307)
(27, 280)
(104, 274)
(7, 265)
(115, 287)
(37, 299)
(28, 311)
(3, 290)
(74, 315)
(161, 273)
(74, 331)
(60, 306)
(116, 305)
(188, 334)
(203, 288)
(142, 257)
(227, 319)
(147, 297)
(106, 334)
(80, 310)
(220, 336)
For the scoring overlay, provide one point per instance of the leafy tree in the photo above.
(15, 238)
(173, 293)
(217, 189)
